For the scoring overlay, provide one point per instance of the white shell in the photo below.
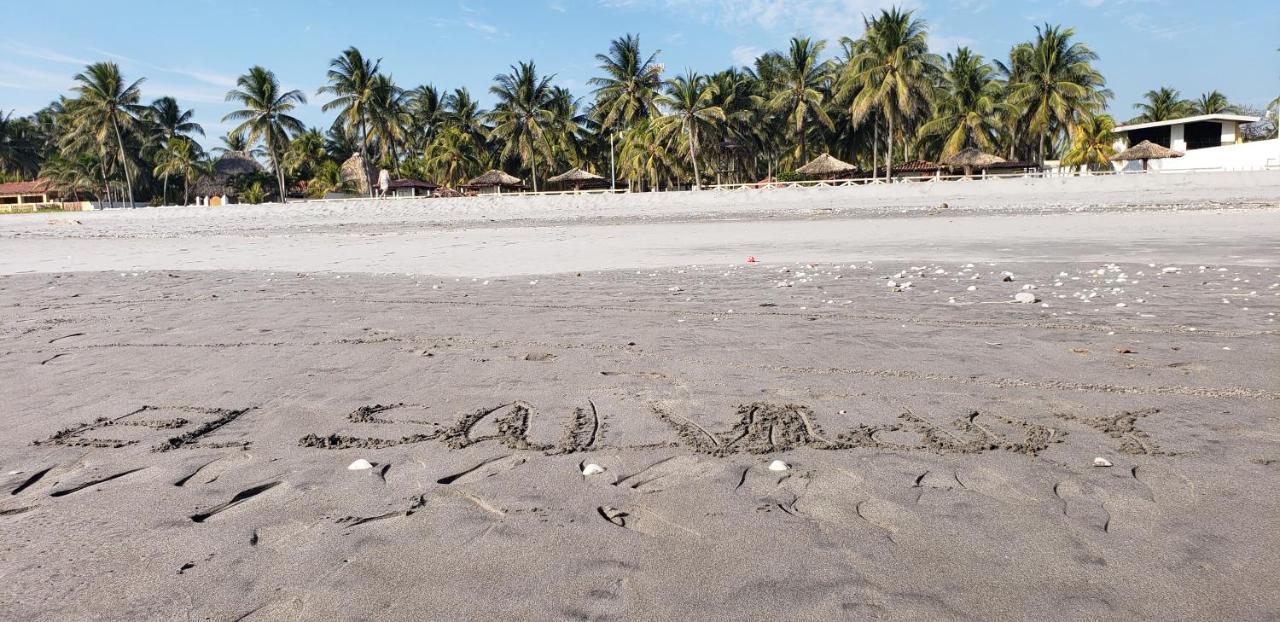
(1101, 462)
(360, 465)
(1026, 298)
(778, 465)
(592, 469)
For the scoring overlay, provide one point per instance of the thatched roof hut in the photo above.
(969, 159)
(1146, 151)
(577, 178)
(826, 166)
(232, 164)
(494, 181)
(355, 170)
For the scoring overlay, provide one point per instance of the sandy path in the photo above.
(1238, 236)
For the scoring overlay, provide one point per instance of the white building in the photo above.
(1210, 142)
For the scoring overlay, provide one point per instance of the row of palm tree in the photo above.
(1167, 103)
(880, 100)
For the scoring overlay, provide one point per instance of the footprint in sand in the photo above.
(642, 519)
(1080, 504)
(996, 485)
(667, 473)
(483, 470)
(894, 520)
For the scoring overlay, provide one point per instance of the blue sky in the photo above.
(193, 49)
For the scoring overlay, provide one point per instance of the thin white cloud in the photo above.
(746, 55)
(207, 77)
(31, 79)
(822, 18)
(39, 53)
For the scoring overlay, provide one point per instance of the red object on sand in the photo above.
(751, 259)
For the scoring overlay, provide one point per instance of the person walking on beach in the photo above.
(384, 183)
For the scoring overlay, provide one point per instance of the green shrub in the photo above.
(254, 194)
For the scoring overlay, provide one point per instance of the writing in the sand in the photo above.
(760, 428)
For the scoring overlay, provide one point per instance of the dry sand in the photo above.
(176, 430)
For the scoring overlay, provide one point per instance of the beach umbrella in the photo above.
(827, 166)
(575, 176)
(1146, 151)
(969, 159)
(494, 178)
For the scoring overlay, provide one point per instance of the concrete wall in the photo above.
(1252, 156)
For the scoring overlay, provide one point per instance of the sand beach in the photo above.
(185, 388)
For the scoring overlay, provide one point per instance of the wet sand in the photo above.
(175, 440)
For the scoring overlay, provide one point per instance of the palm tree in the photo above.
(170, 121)
(1054, 81)
(232, 143)
(1212, 102)
(690, 100)
(968, 105)
(305, 153)
(464, 113)
(108, 106)
(890, 72)
(1163, 104)
(265, 115)
(1092, 143)
(180, 156)
(452, 156)
(388, 118)
(628, 91)
(17, 149)
(351, 81)
(565, 127)
(523, 115)
(423, 106)
(72, 176)
(800, 88)
(645, 155)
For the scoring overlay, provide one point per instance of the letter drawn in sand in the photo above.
(191, 426)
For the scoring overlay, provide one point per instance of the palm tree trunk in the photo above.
(279, 174)
(364, 157)
(804, 143)
(166, 189)
(888, 160)
(186, 190)
(533, 167)
(124, 160)
(875, 149)
(693, 156)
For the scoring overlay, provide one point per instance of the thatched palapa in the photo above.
(494, 182)
(355, 170)
(575, 175)
(826, 165)
(495, 178)
(970, 158)
(577, 178)
(232, 164)
(1146, 150)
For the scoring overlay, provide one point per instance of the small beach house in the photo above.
(1207, 142)
(1189, 133)
(25, 196)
